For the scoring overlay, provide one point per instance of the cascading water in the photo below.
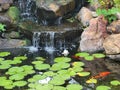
(26, 9)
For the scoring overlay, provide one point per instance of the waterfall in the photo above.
(26, 8)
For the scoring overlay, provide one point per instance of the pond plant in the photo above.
(39, 75)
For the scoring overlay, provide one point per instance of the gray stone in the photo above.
(11, 43)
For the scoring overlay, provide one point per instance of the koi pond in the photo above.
(79, 71)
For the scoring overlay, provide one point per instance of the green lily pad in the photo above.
(115, 82)
(1, 59)
(62, 59)
(82, 54)
(27, 67)
(78, 64)
(49, 73)
(20, 83)
(4, 54)
(59, 88)
(74, 87)
(37, 62)
(6, 82)
(42, 66)
(40, 58)
(92, 80)
(99, 55)
(16, 62)
(20, 58)
(77, 69)
(83, 74)
(43, 87)
(17, 77)
(15, 70)
(5, 66)
(3, 78)
(6, 62)
(57, 81)
(102, 87)
(59, 66)
(89, 58)
(11, 86)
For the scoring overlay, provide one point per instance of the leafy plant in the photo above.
(103, 87)
(115, 82)
(83, 74)
(4, 54)
(74, 87)
(62, 59)
(2, 27)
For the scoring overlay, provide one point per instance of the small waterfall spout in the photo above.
(26, 8)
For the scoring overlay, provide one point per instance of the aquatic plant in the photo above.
(103, 87)
(74, 87)
(4, 54)
(82, 54)
(59, 88)
(42, 66)
(98, 55)
(115, 82)
(83, 74)
(89, 58)
(78, 64)
(40, 59)
(2, 27)
(20, 58)
(62, 59)
(92, 80)
(20, 83)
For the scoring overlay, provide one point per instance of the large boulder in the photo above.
(112, 44)
(93, 36)
(49, 10)
(5, 4)
(84, 16)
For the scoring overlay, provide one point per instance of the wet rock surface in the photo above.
(112, 44)
(93, 36)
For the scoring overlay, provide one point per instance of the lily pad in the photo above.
(5, 66)
(42, 66)
(20, 83)
(6, 82)
(89, 58)
(99, 55)
(59, 66)
(40, 58)
(62, 59)
(16, 77)
(4, 54)
(27, 67)
(91, 80)
(37, 62)
(43, 87)
(16, 62)
(1, 59)
(56, 81)
(78, 64)
(49, 73)
(115, 82)
(82, 54)
(83, 74)
(6, 62)
(102, 87)
(74, 87)
(11, 86)
(59, 88)
(77, 69)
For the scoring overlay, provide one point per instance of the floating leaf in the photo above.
(115, 82)
(83, 73)
(89, 58)
(102, 87)
(37, 62)
(59, 66)
(74, 87)
(99, 55)
(6, 82)
(49, 73)
(16, 62)
(11, 86)
(16, 77)
(1, 59)
(43, 87)
(62, 59)
(27, 67)
(6, 62)
(5, 66)
(20, 83)
(82, 54)
(42, 66)
(57, 81)
(4, 54)
(77, 69)
(91, 80)
(40, 58)
(59, 88)
(78, 64)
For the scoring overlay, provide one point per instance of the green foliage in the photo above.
(2, 27)
(115, 82)
(103, 87)
(74, 87)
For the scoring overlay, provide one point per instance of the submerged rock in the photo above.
(93, 36)
(112, 44)
(12, 43)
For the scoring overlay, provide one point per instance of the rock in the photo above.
(93, 36)
(84, 15)
(114, 57)
(50, 10)
(5, 19)
(12, 43)
(5, 4)
(114, 27)
(112, 44)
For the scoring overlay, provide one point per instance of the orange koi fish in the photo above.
(101, 75)
(75, 57)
